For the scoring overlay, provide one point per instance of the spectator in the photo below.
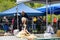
(39, 24)
(55, 20)
(16, 17)
(34, 23)
(12, 25)
(50, 29)
(5, 20)
(5, 26)
(44, 21)
(23, 14)
(59, 24)
(15, 22)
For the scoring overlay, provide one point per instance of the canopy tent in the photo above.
(22, 7)
(53, 8)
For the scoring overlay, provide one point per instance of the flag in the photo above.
(20, 1)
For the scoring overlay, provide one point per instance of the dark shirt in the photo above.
(25, 15)
(19, 21)
(21, 24)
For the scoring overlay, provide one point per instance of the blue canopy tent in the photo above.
(22, 7)
(53, 8)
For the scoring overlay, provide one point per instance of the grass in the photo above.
(1, 31)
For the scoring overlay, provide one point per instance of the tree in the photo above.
(35, 5)
(6, 4)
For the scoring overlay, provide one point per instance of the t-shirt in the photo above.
(55, 20)
(34, 19)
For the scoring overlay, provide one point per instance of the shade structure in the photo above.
(53, 8)
(22, 7)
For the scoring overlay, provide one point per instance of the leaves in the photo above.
(35, 5)
(6, 4)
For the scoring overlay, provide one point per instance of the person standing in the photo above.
(23, 14)
(5, 22)
(15, 22)
(50, 29)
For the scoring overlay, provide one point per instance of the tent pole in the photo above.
(50, 10)
(52, 19)
(32, 24)
(57, 23)
(17, 17)
(52, 16)
(51, 13)
(46, 13)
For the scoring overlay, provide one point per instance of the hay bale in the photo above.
(58, 33)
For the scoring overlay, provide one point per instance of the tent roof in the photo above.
(52, 5)
(56, 5)
(22, 7)
(51, 8)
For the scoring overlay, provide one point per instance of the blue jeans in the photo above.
(34, 27)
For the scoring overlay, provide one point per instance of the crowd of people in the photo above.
(10, 24)
(33, 23)
(22, 27)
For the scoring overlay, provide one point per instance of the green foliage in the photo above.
(49, 18)
(58, 16)
(13, 0)
(52, 16)
(32, 4)
(6, 4)
(35, 5)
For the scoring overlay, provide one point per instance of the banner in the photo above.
(20, 1)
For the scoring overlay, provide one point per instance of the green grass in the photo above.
(1, 30)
